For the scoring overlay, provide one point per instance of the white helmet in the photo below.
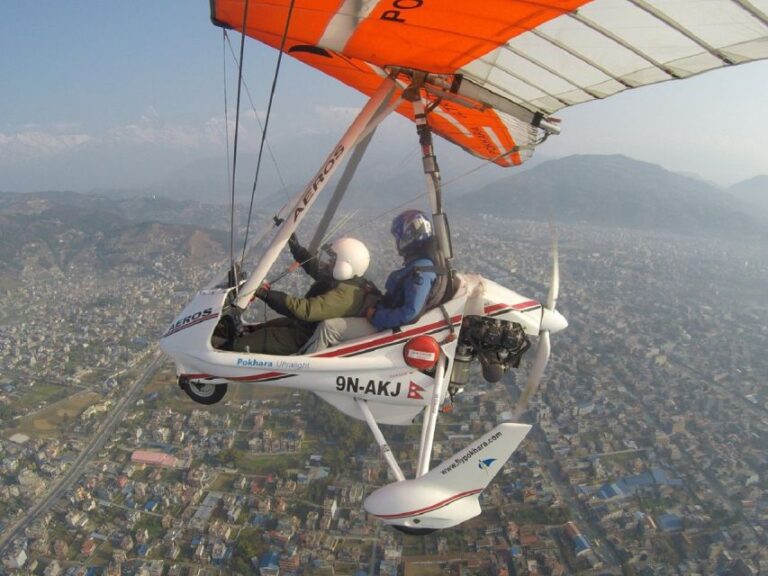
(345, 258)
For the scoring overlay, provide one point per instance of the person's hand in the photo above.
(293, 242)
(370, 312)
(261, 292)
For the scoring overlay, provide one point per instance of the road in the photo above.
(98, 440)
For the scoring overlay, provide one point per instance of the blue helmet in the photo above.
(411, 228)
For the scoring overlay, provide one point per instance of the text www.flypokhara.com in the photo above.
(471, 452)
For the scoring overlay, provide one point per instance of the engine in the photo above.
(498, 345)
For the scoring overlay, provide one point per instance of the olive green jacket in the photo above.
(348, 298)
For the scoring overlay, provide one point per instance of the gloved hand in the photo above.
(293, 242)
(261, 292)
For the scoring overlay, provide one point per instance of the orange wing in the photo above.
(508, 56)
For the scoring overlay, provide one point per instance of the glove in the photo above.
(261, 292)
(293, 242)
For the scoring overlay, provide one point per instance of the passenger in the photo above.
(407, 289)
(340, 290)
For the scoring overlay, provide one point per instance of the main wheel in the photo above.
(204, 392)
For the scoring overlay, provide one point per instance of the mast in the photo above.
(431, 170)
(298, 207)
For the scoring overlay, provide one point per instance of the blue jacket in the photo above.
(407, 290)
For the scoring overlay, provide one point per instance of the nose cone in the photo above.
(553, 321)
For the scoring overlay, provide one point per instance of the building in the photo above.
(154, 459)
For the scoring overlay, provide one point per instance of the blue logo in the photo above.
(486, 464)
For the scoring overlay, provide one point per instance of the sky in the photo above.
(129, 95)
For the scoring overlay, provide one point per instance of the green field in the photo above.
(55, 419)
(31, 396)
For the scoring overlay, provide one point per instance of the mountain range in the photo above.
(616, 191)
(56, 229)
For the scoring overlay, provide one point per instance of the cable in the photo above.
(237, 132)
(225, 39)
(255, 114)
(444, 184)
(266, 122)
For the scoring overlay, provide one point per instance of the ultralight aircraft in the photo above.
(487, 76)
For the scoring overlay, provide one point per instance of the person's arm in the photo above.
(335, 303)
(303, 256)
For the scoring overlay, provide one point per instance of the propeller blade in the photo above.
(537, 372)
(554, 285)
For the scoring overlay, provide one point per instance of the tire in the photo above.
(203, 392)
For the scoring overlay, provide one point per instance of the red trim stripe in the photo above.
(363, 346)
(431, 508)
(387, 339)
(251, 378)
(520, 306)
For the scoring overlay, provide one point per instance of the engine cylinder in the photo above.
(461, 365)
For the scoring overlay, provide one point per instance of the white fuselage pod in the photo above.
(370, 368)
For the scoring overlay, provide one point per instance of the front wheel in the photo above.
(203, 392)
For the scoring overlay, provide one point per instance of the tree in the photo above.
(249, 544)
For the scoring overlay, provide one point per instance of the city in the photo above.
(647, 455)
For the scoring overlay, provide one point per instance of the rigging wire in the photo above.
(237, 132)
(253, 107)
(266, 120)
(444, 185)
(226, 137)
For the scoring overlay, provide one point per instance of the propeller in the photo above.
(551, 322)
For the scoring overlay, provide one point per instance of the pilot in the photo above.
(340, 290)
(409, 289)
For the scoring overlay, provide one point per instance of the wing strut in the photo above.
(297, 208)
(430, 416)
(386, 452)
(349, 171)
(340, 191)
(429, 423)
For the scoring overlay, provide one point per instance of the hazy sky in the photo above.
(126, 94)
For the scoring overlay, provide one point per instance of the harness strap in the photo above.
(371, 297)
(447, 318)
(439, 270)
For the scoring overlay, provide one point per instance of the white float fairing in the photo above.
(447, 495)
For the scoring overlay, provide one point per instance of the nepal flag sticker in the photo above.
(414, 391)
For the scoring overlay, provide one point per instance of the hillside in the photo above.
(753, 193)
(616, 191)
(51, 232)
